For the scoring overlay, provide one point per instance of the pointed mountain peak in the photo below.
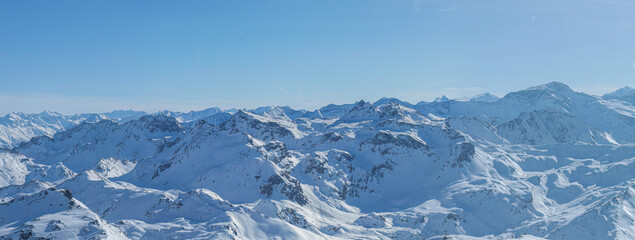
(46, 113)
(392, 110)
(441, 99)
(361, 110)
(362, 106)
(15, 115)
(361, 102)
(240, 116)
(275, 112)
(241, 113)
(88, 175)
(202, 124)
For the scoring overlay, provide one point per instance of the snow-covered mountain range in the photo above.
(541, 163)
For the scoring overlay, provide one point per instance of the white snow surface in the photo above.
(542, 163)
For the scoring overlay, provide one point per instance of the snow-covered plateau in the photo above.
(541, 163)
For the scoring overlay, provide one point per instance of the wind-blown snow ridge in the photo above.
(541, 163)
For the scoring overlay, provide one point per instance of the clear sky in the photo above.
(96, 56)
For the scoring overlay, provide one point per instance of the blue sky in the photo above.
(96, 56)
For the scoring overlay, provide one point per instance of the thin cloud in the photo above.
(278, 87)
(417, 5)
(282, 89)
(445, 10)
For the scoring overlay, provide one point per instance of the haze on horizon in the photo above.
(71, 57)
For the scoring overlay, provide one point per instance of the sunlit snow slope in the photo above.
(542, 163)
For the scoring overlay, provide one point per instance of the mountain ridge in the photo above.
(541, 163)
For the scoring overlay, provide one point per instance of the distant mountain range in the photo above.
(541, 163)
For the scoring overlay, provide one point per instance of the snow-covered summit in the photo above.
(625, 94)
(441, 99)
(540, 163)
(361, 110)
(386, 100)
(483, 97)
(622, 92)
(279, 112)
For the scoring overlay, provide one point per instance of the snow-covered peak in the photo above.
(387, 100)
(401, 113)
(441, 99)
(279, 112)
(81, 146)
(622, 92)
(49, 114)
(625, 94)
(112, 167)
(554, 92)
(393, 109)
(272, 112)
(483, 97)
(122, 116)
(553, 86)
(243, 115)
(20, 127)
(160, 123)
(330, 111)
(53, 214)
(553, 96)
(192, 116)
(361, 110)
(95, 118)
(263, 126)
(14, 115)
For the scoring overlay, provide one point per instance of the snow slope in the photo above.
(540, 163)
(20, 127)
(483, 97)
(625, 94)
